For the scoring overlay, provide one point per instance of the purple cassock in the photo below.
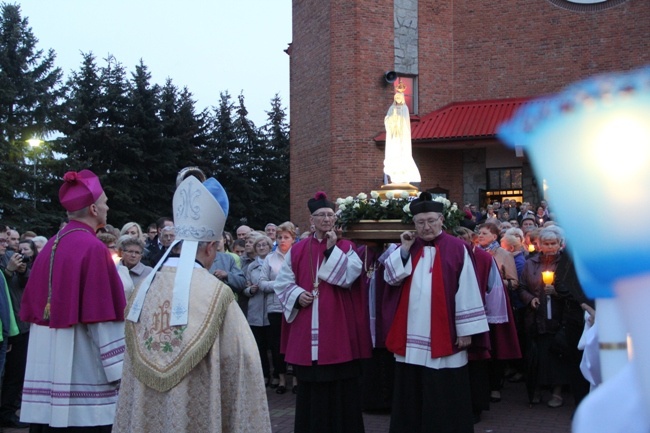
(504, 343)
(338, 338)
(85, 285)
(381, 308)
(480, 348)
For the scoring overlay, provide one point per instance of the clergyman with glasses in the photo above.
(314, 286)
(439, 310)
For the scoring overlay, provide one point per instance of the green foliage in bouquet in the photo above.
(351, 210)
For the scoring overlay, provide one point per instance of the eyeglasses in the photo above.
(133, 253)
(324, 215)
(112, 247)
(430, 221)
(4, 241)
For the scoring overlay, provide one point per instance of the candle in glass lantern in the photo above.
(548, 276)
(531, 248)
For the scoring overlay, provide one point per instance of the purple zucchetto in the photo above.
(79, 190)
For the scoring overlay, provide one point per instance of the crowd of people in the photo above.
(98, 320)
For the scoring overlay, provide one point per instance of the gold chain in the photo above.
(315, 282)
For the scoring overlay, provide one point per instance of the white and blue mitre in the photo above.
(200, 212)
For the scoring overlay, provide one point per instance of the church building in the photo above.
(468, 65)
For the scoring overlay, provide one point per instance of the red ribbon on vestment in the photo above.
(441, 344)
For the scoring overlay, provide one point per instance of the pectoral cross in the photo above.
(370, 271)
(315, 290)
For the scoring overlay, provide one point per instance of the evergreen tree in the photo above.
(274, 186)
(249, 167)
(29, 92)
(144, 182)
(223, 153)
(82, 117)
(252, 163)
(94, 124)
(182, 128)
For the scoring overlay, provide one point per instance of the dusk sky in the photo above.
(208, 46)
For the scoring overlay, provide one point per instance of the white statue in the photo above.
(398, 160)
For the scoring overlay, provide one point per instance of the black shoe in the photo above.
(281, 390)
(13, 421)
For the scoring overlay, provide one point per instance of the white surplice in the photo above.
(72, 376)
(418, 335)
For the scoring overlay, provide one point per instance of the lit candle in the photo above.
(116, 258)
(548, 276)
(531, 248)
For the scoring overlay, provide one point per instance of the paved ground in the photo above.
(511, 415)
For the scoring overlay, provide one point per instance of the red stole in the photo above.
(441, 344)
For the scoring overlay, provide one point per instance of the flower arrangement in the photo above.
(395, 206)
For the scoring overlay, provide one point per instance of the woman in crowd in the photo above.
(512, 244)
(132, 229)
(488, 235)
(531, 248)
(257, 317)
(28, 249)
(249, 251)
(109, 240)
(223, 248)
(541, 216)
(285, 237)
(544, 317)
(111, 243)
(227, 241)
(503, 227)
(39, 242)
(490, 215)
(131, 249)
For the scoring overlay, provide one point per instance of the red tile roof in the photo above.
(458, 120)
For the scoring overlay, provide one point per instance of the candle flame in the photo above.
(548, 276)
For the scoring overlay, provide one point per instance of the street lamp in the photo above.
(591, 142)
(34, 143)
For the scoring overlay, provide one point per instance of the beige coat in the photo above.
(206, 377)
(507, 267)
